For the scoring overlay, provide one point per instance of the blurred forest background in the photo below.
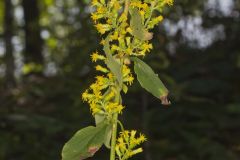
(45, 66)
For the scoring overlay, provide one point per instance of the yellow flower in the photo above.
(94, 17)
(116, 5)
(100, 80)
(114, 108)
(136, 151)
(95, 56)
(109, 21)
(103, 28)
(142, 13)
(110, 76)
(129, 79)
(119, 109)
(95, 2)
(98, 95)
(136, 4)
(144, 6)
(86, 96)
(102, 69)
(127, 143)
(102, 42)
(121, 143)
(129, 51)
(95, 108)
(169, 2)
(133, 133)
(147, 47)
(129, 30)
(94, 87)
(115, 48)
(114, 36)
(123, 18)
(109, 96)
(142, 138)
(101, 10)
(139, 5)
(155, 21)
(159, 18)
(125, 70)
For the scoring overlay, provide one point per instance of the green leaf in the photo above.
(108, 136)
(137, 26)
(125, 88)
(150, 81)
(85, 142)
(112, 63)
(99, 118)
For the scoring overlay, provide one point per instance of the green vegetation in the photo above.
(195, 53)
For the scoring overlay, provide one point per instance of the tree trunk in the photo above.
(33, 40)
(9, 59)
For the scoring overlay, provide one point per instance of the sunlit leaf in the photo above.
(150, 81)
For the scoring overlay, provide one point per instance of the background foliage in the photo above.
(45, 66)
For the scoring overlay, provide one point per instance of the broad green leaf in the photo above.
(150, 81)
(99, 118)
(137, 26)
(112, 63)
(85, 142)
(108, 136)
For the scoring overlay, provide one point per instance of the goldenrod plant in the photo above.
(125, 27)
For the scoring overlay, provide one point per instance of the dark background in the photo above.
(45, 66)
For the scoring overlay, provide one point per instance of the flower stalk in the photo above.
(114, 129)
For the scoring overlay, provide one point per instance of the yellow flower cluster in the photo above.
(127, 76)
(107, 13)
(102, 102)
(127, 143)
(101, 94)
(107, 20)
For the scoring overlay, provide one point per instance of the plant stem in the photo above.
(114, 127)
(114, 136)
(118, 100)
(150, 16)
(122, 128)
(126, 8)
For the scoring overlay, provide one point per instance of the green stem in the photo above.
(150, 16)
(118, 100)
(126, 8)
(122, 128)
(114, 137)
(114, 126)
